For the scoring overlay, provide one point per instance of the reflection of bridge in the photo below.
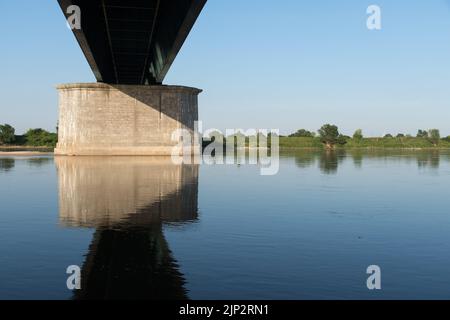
(130, 44)
(127, 200)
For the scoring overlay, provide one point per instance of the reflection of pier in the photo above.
(127, 200)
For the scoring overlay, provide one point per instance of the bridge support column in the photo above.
(103, 119)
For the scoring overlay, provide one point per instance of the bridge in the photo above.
(130, 46)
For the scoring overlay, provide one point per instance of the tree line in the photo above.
(330, 136)
(33, 137)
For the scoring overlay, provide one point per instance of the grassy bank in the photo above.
(365, 143)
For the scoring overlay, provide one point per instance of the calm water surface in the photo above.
(143, 228)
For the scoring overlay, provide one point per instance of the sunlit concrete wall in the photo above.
(102, 119)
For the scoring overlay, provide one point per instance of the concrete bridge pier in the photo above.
(122, 120)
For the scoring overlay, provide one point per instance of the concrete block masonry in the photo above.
(123, 120)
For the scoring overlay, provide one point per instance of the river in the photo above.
(141, 227)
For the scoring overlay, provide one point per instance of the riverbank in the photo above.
(290, 143)
(24, 153)
(409, 143)
(24, 147)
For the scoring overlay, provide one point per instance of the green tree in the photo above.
(303, 133)
(329, 135)
(7, 134)
(342, 139)
(387, 136)
(400, 135)
(434, 136)
(358, 135)
(422, 134)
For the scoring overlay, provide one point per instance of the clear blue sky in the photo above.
(284, 64)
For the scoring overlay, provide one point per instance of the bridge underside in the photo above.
(133, 41)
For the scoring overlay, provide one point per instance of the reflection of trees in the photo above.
(305, 159)
(329, 161)
(357, 156)
(6, 164)
(127, 200)
(446, 157)
(429, 159)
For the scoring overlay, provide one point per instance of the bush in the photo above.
(343, 139)
(300, 142)
(422, 134)
(40, 138)
(302, 133)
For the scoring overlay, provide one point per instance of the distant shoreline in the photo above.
(42, 151)
(8, 147)
(24, 153)
(404, 143)
(366, 148)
